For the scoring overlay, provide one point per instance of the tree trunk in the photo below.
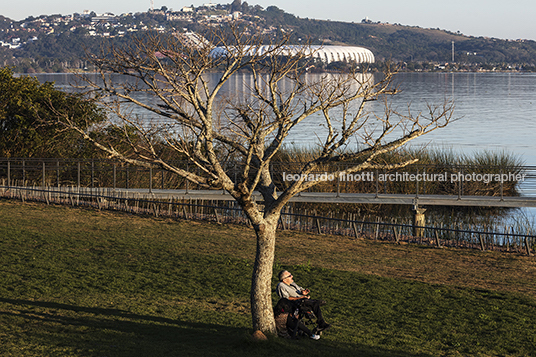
(261, 282)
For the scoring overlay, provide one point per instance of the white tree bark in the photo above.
(261, 289)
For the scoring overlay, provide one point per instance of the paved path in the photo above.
(371, 198)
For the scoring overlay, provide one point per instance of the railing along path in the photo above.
(191, 203)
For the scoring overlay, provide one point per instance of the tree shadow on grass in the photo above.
(61, 329)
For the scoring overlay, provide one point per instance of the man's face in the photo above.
(287, 278)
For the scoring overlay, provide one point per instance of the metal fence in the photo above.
(352, 225)
(115, 174)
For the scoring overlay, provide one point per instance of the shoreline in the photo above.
(323, 71)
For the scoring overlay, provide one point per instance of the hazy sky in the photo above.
(493, 18)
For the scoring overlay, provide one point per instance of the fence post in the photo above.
(187, 181)
(507, 237)
(527, 243)
(317, 220)
(424, 181)
(502, 199)
(44, 173)
(58, 173)
(417, 185)
(481, 242)
(150, 179)
(8, 173)
(377, 183)
(460, 182)
(354, 226)
(216, 214)
(395, 231)
(436, 231)
(338, 186)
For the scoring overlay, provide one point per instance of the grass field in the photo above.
(77, 282)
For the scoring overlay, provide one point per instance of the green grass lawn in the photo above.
(77, 282)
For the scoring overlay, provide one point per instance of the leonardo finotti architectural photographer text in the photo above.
(369, 176)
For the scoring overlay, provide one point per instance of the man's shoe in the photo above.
(315, 337)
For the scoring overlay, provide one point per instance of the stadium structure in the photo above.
(326, 54)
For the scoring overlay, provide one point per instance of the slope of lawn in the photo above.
(77, 282)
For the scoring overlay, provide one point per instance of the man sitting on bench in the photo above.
(288, 289)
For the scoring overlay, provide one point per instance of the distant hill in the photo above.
(410, 43)
(58, 43)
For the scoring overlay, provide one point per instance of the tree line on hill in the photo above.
(414, 48)
(410, 44)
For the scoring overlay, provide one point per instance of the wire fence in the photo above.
(509, 239)
(479, 180)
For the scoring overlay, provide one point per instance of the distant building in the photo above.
(175, 16)
(326, 54)
(355, 54)
(111, 18)
(15, 43)
(192, 39)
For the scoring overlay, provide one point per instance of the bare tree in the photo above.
(209, 128)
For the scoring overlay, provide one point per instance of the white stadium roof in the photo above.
(343, 53)
(326, 54)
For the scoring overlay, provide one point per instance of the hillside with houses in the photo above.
(59, 43)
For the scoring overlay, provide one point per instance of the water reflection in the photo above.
(496, 110)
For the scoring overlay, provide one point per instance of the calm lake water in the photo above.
(496, 111)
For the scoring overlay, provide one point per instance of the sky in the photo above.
(491, 18)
